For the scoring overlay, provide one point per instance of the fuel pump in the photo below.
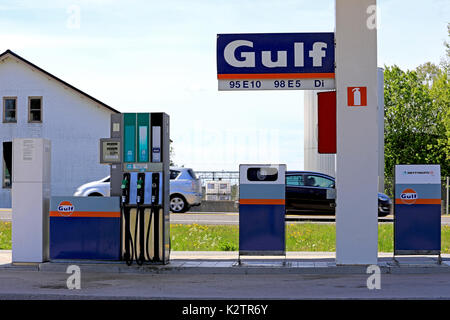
(125, 200)
(138, 154)
(140, 219)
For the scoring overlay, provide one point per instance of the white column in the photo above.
(30, 200)
(357, 134)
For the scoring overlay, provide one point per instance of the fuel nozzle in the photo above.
(155, 188)
(125, 188)
(140, 188)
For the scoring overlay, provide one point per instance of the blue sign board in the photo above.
(275, 53)
(85, 228)
(417, 209)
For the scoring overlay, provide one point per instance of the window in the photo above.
(316, 181)
(192, 174)
(174, 174)
(9, 109)
(7, 165)
(35, 109)
(295, 181)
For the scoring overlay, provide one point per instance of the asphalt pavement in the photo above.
(217, 275)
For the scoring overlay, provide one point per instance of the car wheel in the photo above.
(178, 204)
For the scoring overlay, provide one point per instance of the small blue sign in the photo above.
(417, 209)
(275, 53)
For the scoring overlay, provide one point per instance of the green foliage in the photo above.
(228, 246)
(416, 109)
(417, 115)
(5, 236)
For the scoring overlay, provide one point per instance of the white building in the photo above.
(37, 104)
(218, 187)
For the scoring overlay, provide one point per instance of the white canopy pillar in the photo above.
(357, 133)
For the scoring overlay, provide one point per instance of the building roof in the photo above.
(11, 53)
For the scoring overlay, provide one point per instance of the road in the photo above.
(46, 285)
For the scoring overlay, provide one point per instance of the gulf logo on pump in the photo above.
(409, 196)
(66, 208)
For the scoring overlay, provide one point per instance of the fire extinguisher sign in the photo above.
(357, 96)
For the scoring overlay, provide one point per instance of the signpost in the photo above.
(275, 61)
(346, 61)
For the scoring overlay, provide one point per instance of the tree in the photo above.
(414, 130)
(417, 115)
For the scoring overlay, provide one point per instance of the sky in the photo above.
(160, 56)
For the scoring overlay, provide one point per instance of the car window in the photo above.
(295, 181)
(317, 181)
(107, 180)
(192, 174)
(174, 174)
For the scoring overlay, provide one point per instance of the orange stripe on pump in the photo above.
(419, 201)
(275, 76)
(262, 201)
(88, 214)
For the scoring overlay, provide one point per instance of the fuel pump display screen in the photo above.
(110, 151)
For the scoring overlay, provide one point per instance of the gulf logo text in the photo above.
(65, 208)
(409, 196)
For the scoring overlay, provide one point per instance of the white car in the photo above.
(185, 189)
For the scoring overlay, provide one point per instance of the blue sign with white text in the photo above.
(297, 54)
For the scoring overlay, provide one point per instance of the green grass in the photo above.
(195, 237)
(5, 235)
(299, 237)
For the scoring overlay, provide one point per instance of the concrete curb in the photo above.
(230, 267)
(227, 263)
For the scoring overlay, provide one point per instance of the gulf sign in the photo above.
(275, 61)
(408, 196)
(65, 208)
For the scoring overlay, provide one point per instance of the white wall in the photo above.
(73, 123)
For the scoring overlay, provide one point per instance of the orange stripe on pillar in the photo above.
(87, 214)
(262, 201)
(419, 201)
